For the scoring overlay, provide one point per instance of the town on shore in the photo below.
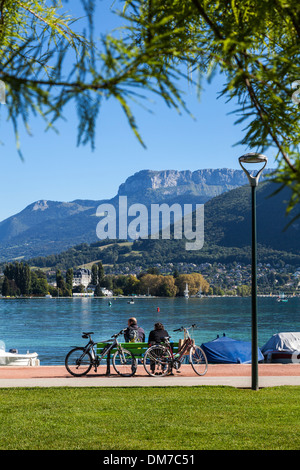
(18, 279)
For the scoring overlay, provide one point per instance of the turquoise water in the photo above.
(51, 326)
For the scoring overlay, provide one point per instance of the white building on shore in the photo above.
(82, 276)
(106, 292)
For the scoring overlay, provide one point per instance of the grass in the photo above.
(171, 418)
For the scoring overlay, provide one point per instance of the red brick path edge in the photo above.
(214, 370)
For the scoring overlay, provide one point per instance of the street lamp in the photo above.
(253, 180)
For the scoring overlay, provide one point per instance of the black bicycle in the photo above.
(80, 360)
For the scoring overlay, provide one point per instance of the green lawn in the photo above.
(150, 418)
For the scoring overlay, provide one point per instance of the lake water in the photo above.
(51, 326)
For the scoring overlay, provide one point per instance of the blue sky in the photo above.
(56, 169)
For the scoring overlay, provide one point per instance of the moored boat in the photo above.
(282, 298)
(13, 358)
(282, 348)
(226, 350)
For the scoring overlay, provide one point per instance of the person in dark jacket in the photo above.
(133, 332)
(158, 334)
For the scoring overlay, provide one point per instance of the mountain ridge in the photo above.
(227, 238)
(46, 227)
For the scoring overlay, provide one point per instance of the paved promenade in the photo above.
(234, 375)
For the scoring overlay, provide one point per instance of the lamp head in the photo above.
(253, 158)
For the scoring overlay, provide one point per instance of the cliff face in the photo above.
(206, 183)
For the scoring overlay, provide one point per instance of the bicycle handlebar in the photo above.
(118, 334)
(86, 335)
(182, 328)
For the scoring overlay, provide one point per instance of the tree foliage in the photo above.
(195, 282)
(45, 65)
(253, 44)
(19, 279)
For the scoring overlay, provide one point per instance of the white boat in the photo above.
(15, 359)
(282, 298)
(186, 291)
(282, 348)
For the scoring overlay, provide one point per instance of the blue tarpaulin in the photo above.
(229, 351)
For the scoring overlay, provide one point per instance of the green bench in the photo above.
(137, 349)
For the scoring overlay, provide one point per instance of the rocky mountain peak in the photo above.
(182, 180)
(40, 206)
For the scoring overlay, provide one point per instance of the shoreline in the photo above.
(145, 297)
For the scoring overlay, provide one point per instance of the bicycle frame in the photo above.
(106, 350)
(187, 344)
(160, 359)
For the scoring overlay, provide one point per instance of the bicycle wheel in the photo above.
(78, 362)
(157, 360)
(198, 360)
(124, 363)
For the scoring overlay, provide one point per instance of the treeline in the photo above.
(153, 283)
(19, 279)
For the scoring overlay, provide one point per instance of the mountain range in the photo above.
(48, 227)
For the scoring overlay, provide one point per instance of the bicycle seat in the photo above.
(85, 335)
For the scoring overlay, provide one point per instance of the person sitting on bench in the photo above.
(134, 333)
(158, 334)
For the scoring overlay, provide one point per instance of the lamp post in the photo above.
(253, 180)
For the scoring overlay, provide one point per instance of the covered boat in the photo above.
(282, 348)
(226, 350)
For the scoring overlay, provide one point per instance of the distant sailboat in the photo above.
(199, 293)
(186, 291)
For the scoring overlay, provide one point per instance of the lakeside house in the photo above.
(90, 292)
(106, 292)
